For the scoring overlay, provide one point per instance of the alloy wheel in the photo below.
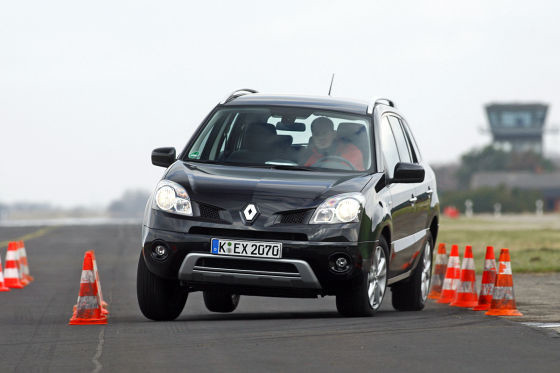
(426, 271)
(377, 278)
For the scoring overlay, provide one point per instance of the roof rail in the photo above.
(237, 93)
(382, 101)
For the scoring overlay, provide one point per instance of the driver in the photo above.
(324, 143)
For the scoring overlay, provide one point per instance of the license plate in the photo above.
(257, 249)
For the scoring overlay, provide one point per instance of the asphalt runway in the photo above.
(262, 335)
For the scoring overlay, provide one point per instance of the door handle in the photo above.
(430, 191)
(413, 199)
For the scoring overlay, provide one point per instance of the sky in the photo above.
(88, 89)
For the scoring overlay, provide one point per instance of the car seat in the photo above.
(356, 134)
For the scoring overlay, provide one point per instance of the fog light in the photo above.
(160, 252)
(340, 263)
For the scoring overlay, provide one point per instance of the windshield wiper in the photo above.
(257, 165)
(288, 167)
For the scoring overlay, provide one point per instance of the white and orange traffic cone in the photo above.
(23, 264)
(503, 298)
(452, 275)
(98, 281)
(22, 277)
(3, 287)
(439, 272)
(466, 291)
(488, 280)
(103, 303)
(88, 310)
(11, 273)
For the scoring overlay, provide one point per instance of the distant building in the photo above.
(547, 183)
(517, 127)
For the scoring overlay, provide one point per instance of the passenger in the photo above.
(324, 143)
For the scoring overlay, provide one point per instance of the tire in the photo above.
(219, 301)
(411, 295)
(159, 299)
(356, 301)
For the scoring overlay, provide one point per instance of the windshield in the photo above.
(284, 137)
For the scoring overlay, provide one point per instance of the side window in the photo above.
(411, 143)
(401, 139)
(388, 146)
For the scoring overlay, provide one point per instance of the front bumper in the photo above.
(309, 249)
(203, 268)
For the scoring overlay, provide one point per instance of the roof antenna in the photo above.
(332, 80)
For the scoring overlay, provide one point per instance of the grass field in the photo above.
(534, 242)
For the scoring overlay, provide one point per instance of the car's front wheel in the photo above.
(219, 301)
(411, 295)
(159, 299)
(365, 299)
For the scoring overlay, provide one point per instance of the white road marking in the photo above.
(542, 324)
(99, 351)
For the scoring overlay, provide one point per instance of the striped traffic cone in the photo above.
(466, 291)
(452, 275)
(23, 262)
(98, 282)
(11, 276)
(439, 272)
(503, 299)
(488, 280)
(3, 287)
(88, 310)
(103, 303)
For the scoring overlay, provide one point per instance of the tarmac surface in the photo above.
(262, 335)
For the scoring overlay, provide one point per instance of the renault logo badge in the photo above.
(250, 212)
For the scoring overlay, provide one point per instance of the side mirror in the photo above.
(163, 157)
(408, 173)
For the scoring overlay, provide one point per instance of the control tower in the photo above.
(518, 127)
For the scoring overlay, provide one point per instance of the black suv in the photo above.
(291, 196)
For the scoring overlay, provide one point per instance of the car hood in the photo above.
(233, 187)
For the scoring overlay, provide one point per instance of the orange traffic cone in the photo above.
(466, 291)
(488, 280)
(11, 277)
(503, 299)
(452, 275)
(24, 281)
(23, 262)
(3, 287)
(439, 272)
(88, 310)
(98, 282)
(103, 303)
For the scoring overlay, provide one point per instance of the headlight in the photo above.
(343, 208)
(172, 197)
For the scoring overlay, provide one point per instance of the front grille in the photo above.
(236, 233)
(294, 217)
(244, 264)
(209, 212)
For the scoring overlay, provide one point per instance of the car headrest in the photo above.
(260, 136)
(284, 141)
(350, 131)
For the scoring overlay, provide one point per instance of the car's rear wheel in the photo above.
(365, 299)
(219, 301)
(159, 299)
(411, 295)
